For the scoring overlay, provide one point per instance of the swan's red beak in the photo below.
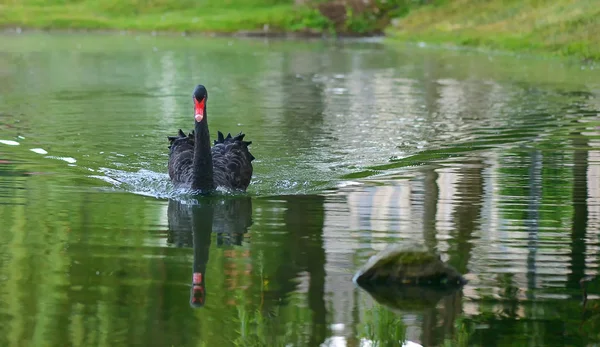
(199, 110)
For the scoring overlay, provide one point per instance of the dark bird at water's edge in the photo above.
(194, 164)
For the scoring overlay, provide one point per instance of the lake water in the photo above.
(493, 160)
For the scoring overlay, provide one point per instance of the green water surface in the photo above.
(492, 160)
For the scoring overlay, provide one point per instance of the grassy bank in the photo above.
(225, 16)
(565, 27)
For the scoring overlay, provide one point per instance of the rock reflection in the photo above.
(412, 299)
(192, 225)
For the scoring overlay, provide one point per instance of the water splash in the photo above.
(143, 182)
(149, 183)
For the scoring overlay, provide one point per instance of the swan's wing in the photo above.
(181, 158)
(232, 162)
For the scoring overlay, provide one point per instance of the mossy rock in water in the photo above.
(407, 264)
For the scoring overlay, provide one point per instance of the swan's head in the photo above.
(200, 96)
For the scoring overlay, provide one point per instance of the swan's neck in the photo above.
(203, 168)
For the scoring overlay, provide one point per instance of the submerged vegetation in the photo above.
(565, 27)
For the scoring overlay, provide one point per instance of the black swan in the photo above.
(194, 164)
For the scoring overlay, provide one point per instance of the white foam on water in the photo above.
(10, 142)
(67, 159)
(39, 150)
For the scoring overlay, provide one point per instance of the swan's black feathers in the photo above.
(232, 161)
(181, 157)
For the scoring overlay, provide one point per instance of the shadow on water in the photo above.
(305, 216)
(192, 225)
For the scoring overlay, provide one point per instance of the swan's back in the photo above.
(232, 162)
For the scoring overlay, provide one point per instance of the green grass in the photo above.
(564, 27)
(147, 15)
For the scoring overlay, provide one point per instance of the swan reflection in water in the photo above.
(191, 225)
